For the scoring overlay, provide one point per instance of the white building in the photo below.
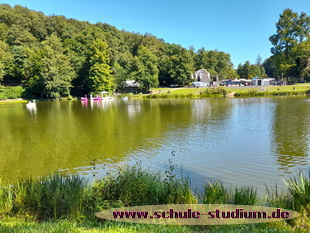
(202, 78)
(262, 82)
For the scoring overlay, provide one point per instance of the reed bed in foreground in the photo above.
(52, 196)
(215, 193)
(62, 196)
(133, 186)
(245, 196)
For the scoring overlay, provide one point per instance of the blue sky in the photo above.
(238, 27)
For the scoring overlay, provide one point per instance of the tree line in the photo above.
(52, 56)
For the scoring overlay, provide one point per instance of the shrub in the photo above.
(11, 92)
(217, 90)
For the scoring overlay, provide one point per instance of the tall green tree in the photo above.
(50, 73)
(216, 62)
(292, 29)
(6, 60)
(176, 66)
(269, 67)
(302, 57)
(259, 64)
(100, 77)
(144, 68)
(248, 70)
(287, 35)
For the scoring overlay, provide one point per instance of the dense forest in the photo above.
(52, 56)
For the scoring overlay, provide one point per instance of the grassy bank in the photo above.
(68, 202)
(21, 225)
(220, 92)
(13, 101)
(255, 93)
(12, 93)
(190, 93)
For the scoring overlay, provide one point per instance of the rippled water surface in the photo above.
(253, 141)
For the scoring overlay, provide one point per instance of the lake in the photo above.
(248, 141)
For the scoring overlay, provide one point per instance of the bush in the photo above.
(11, 92)
(217, 90)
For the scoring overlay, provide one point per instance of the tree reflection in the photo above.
(291, 132)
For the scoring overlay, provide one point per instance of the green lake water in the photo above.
(250, 141)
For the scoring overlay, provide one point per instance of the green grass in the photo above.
(238, 91)
(271, 88)
(21, 225)
(215, 193)
(256, 93)
(289, 88)
(299, 188)
(13, 101)
(242, 90)
(245, 196)
(30, 205)
(52, 196)
(153, 190)
(181, 90)
(191, 93)
(188, 90)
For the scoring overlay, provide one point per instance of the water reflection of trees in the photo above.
(291, 132)
(68, 136)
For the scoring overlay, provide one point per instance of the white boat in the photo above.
(125, 98)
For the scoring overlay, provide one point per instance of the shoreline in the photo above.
(216, 93)
(18, 100)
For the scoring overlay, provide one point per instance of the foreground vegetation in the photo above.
(67, 203)
(21, 225)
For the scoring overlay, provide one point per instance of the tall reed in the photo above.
(299, 188)
(52, 196)
(245, 196)
(215, 193)
(135, 186)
